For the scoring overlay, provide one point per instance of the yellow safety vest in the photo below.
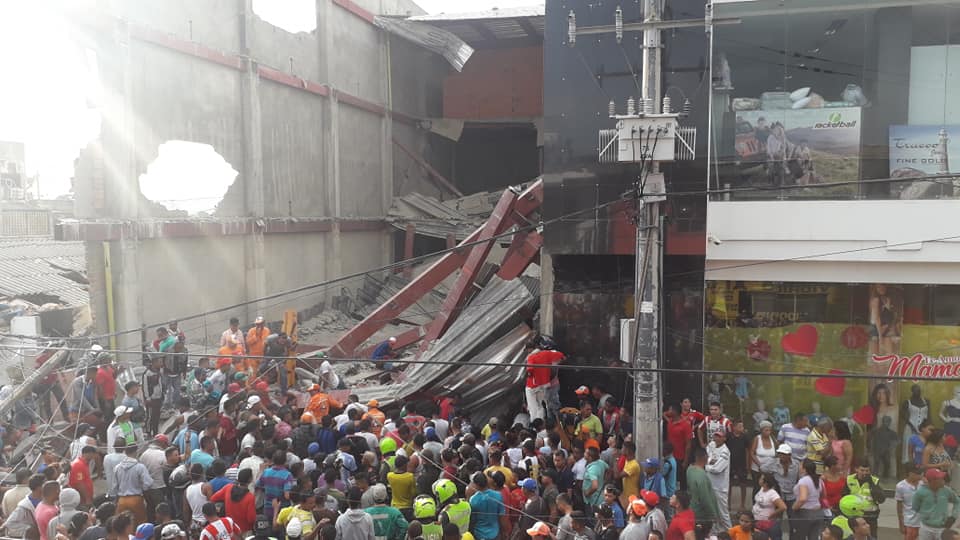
(432, 531)
(841, 521)
(459, 515)
(863, 490)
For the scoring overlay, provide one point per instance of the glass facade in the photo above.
(835, 100)
(874, 330)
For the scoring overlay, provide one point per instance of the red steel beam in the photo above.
(380, 317)
(512, 209)
(524, 249)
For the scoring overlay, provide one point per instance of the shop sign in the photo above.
(920, 366)
(922, 150)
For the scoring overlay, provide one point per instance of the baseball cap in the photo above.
(325, 367)
(233, 388)
(170, 531)
(539, 529)
(253, 400)
(144, 531)
(379, 493)
(528, 484)
(582, 391)
(262, 386)
(637, 506)
(650, 497)
(785, 449)
(493, 421)
(122, 410)
(591, 443)
(223, 361)
(162, 439)
(373, 403)
(651, 462)
(933, 474)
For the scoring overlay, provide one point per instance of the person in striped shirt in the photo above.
(795, 436)
(714, 423)
(218, 528)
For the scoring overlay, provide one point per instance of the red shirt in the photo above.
(541, 375)
(228, 437)
(679, 434)
(694, 417)
(80, 477)
(106, 383)
(681, 523)
(242, 512)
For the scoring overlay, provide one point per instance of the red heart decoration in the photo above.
(758, 350)
(865, 415)
(831, 386)
(854, 337)
(803, 342)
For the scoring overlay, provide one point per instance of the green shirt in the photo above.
(703, 501)
(388, 523)
(591, 425)
(595, 470)
(932, 507)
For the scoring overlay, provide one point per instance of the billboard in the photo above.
(923, 150)
(803, 147)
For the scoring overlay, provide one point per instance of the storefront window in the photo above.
(835, 100)
(875, 330)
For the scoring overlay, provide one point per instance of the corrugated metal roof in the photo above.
(495, 13)
(44, 267)
(490, 28)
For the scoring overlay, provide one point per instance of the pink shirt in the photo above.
(44, 514)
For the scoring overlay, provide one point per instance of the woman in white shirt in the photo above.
(768, 507)
(763, 453)
(806, 521)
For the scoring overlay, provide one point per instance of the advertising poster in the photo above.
(820, 328)
(923, 150)
(785, 148)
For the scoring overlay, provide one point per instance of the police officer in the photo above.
(867, 487)
(425, 511)
(454, 510)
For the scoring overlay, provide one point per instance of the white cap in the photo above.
(294, 528)
(258, 320)
(122, 410)
(253, 400)
(392, 339)
(171, 530)
(325, 367)
(785, 449)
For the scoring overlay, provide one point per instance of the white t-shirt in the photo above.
(247, 441)
(904, 493)
(763, 504)
(253, 463)
(579, 468)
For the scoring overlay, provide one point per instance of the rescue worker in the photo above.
(425, 511)
(320, 403)
(388, 453)
(453, 509)
(256, 342)
(851, 506)
(867, 487)
(376, 416)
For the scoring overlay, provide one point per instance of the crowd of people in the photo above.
(237, 447)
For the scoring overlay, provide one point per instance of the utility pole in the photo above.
(647, 389)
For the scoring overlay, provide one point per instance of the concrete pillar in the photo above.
(546, 292)
(252, 169)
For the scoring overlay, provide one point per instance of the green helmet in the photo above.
(387, 446)
(444, 490)
(853, 505)
(424, 507)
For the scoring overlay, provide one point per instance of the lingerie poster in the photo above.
(885, 331)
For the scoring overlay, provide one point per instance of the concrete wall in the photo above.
(178, 70)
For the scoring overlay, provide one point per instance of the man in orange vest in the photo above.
(320, 403)
(256, 340)
(376, 416)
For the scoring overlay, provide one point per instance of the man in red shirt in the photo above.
(80, 479)
(688, 413)
(538, 380)
(684, 522)
(106, 380)
(218, 528)
(679, 433)
(239, 502)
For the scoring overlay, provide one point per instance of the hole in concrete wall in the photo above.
(188, 177)
(291, 15)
